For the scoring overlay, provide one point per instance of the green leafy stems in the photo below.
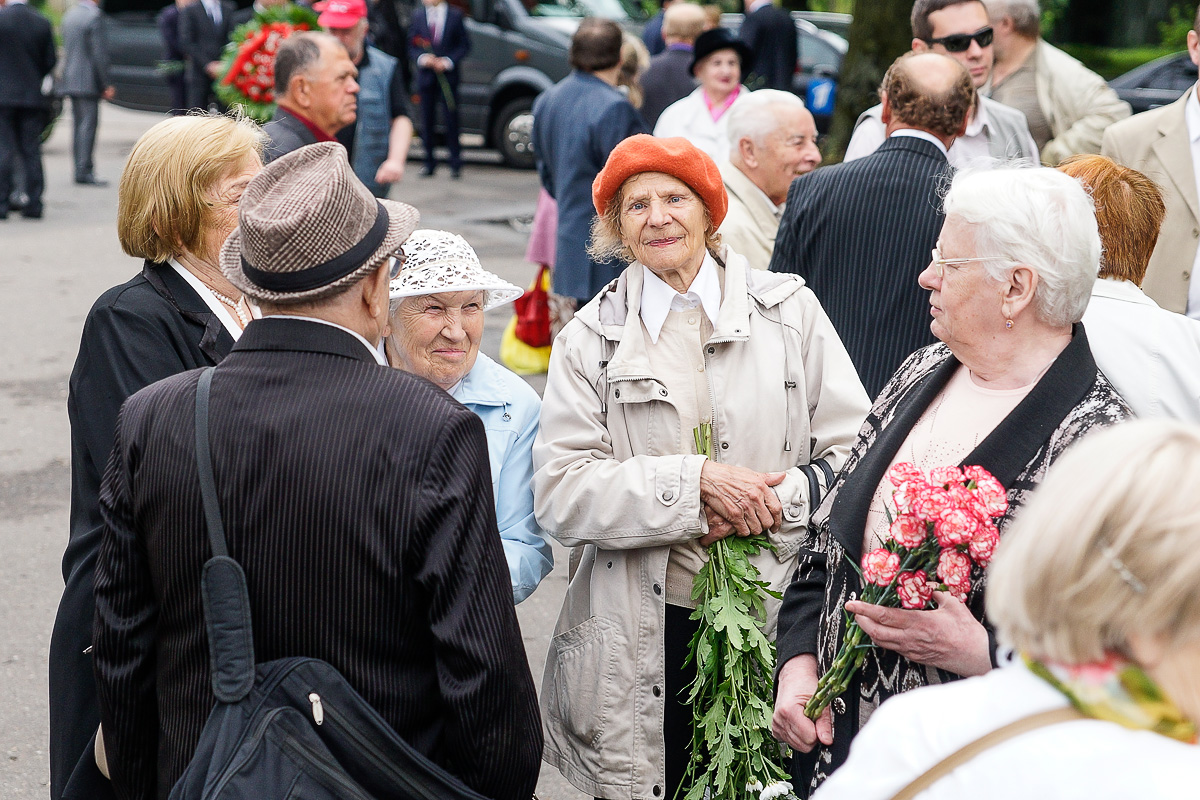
(855, 643)
(733, 752)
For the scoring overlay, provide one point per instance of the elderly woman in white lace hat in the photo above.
(437, 309)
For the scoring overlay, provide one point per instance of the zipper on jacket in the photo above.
(318, 712)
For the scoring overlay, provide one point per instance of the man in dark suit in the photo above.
(576, 124)
(316, 93)
(204, 28)
(438, 44)
(669, 76)
(84, 80)
(26, 58)
(168, 31)
(360, 488)
(771, 36)
(860, 232)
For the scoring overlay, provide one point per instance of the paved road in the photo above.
(50, 273)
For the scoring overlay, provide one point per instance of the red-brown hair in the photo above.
(1129, 212)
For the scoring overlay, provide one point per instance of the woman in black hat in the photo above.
(700, 117)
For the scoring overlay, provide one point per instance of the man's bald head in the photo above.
(928, 91)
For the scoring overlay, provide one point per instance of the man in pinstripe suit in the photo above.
(860, 232)
(356, 497)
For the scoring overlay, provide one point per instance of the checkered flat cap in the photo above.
(307, 227)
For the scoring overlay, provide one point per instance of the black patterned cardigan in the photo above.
(1071, 399)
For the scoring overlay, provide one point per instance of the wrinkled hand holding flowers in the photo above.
(942, 530)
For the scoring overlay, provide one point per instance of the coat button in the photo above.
(617, 393)
(1195, 232)
(793, 512)
(839, 705)
(663, 392)
(1186, 275)
(668, 495)
(657, 691)
(657, 589)
(724, 445)
(657, 790)
(610, 565)
(712, 350)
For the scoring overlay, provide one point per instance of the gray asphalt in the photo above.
(51, 271)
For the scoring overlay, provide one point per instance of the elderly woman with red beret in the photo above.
(688, 334)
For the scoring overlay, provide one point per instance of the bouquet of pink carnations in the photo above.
(943, 528)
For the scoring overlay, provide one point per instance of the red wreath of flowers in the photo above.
(248, 67)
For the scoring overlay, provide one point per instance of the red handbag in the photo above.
(533, 311)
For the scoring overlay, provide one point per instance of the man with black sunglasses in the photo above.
(1067, 105)
(959, 29)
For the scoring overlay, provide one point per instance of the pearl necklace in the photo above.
(236, 306)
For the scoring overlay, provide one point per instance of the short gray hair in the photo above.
(1038, 217)
(1025, 14)
(1109, 545)
(753, 117)
(298, 54)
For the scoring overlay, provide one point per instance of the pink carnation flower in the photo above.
(880, 566)
(942, 476)
(906, 494)
(954, 527)
(908, 531)
(959, 591)
(989, 490)
(932, 503)
(913, 589)
(983, 544)
(904, 472)
(954, 568)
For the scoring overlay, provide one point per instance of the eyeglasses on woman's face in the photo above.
(940, 264)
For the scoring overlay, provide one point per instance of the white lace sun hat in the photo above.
(440, 261)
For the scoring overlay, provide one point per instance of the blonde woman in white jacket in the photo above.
(687, 334)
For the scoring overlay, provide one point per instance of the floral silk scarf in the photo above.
(1118, 691)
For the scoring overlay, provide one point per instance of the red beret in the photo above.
(676, 157)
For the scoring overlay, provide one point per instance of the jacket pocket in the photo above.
(579, 698)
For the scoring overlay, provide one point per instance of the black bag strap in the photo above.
(223, 583)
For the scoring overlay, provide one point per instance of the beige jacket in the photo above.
(1077, 103)
(1157, 143)
(750, 224)
(610, 479)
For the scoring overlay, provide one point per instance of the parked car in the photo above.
(820, 60)
(1158, 83)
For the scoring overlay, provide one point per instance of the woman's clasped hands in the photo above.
(738, 500)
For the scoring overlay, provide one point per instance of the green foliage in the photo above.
(1109, 62)
(1173, 33)
(1053, 12)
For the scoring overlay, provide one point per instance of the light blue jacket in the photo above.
(509, 408)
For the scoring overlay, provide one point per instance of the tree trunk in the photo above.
(880, 33)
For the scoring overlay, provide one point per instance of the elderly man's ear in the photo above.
(747, 152)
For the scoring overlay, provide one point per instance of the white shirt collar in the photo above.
(372, 349)
(1191, 114)
(916, 134)
(977, 121)
(210, 300)
(659, 299)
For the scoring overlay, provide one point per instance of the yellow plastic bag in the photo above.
(520, 357)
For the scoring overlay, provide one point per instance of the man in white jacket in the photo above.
(1068, 106)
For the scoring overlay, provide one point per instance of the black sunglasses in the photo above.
(396, 261)
(961, 42)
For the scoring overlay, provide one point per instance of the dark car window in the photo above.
(816, 52)
(1177, 76)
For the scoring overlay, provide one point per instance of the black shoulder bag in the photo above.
(292, 728)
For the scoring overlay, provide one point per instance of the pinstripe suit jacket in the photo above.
(860, 233)
(358, 500)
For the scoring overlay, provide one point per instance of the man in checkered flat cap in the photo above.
(357, 498)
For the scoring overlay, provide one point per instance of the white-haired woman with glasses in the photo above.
(1011, 386)
(437, 305)
(1095, 589)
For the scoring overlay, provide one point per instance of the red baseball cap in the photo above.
(340, 13)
